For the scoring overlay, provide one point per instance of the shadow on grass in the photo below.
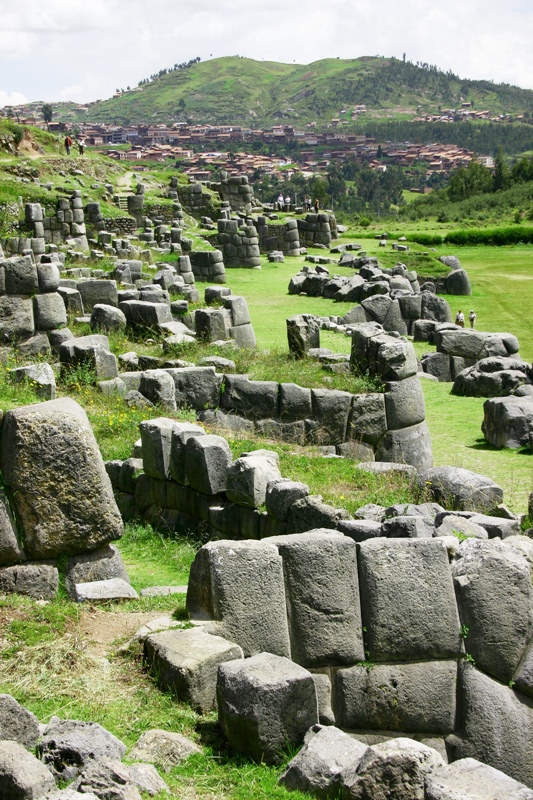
(482, 444)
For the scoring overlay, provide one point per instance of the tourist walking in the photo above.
(81, 146)
(316, 205)
(287, 203)
(472, 317)
(460, 319)
(68, 144)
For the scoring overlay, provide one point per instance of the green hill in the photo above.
(261, 93)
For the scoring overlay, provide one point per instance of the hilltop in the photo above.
(241, 91)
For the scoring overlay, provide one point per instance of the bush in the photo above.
(496, 237)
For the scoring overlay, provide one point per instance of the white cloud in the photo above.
(63, 46)
(12, 99)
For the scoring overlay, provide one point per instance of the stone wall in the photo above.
(197, 201)
(316, 229)
(278, 236)
(208, 266)
(124, 226)
(67, 225)
(238, 242)
(236, 191)
(422, 637)
(30, 305)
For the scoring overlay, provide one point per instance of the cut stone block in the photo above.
(207, 461)
(322, 590)
(112, 589)
(156, 436)
(495, 599)
(248, 479)
(187, 661)
(33, 579)
(418, 698)
(468, 779)
(265, 704)
(240, 586)
(408, 600)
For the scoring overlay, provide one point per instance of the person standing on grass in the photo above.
(68, 144)
(280, 202)
(316, 205)
(460, 319)
(472, 317)
(81, 146)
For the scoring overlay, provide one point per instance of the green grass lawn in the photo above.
(501, 296)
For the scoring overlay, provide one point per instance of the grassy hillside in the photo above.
(243, 91)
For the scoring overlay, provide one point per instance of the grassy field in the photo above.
(63, 659)
(501, 297)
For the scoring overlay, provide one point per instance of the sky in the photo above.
(83, 50)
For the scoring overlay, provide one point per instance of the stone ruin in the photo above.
(426, 638)
(57, 503)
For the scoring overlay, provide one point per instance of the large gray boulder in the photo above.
(463, 489)
(407, 446)
(415, 697)
(68, 745)
(252, 399)
(197, 387)
(94, 292)
(40, 376)
(17, 723)
(156, 437)
(399, 577)
(507, 421)
(207, 461)
(326, 764)
(404, 403)
(107, 778)
(158, 387)
(22, 776)
(38, 579)
(265, 705)
(60, 489)
(107, 318)
(102, 564)
(468, 779)
(458, 282)
(248, 479)
(16, 318)
(492, 377)
(187, 661)
(303, 333)
(181, 432)
(495, 597)
(397, 769)
(331, 410)
(49, 311)
(495, 725)
(322, 591)
(240, 586)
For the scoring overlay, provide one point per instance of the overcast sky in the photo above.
(83, 49)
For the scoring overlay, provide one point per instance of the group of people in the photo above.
(285, 204)
(68, 144)
(460, 318)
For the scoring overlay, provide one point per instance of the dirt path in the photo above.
(105, 629)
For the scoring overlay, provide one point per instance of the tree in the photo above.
(48, 113)
(501, 177)
(181, 105)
